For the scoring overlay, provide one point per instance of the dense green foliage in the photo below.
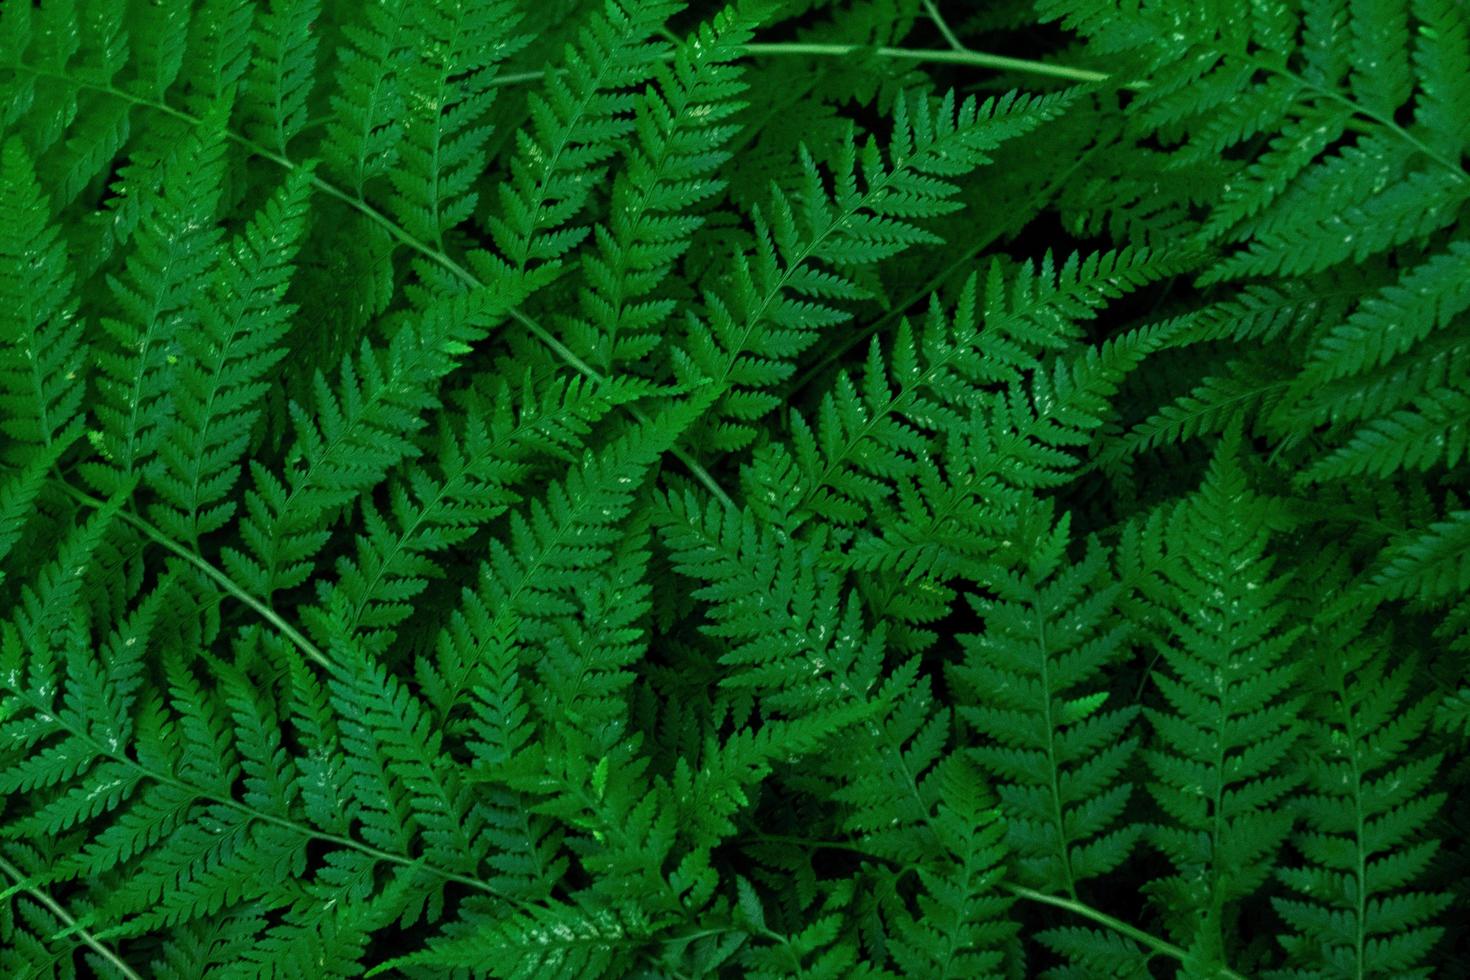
(822, 488)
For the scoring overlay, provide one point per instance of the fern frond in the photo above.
(808, 249)
(160, 36)
(1442, 63)
(243, 318)
(535, 571)
(175, 247)
(1289, 154)
(712, 793)
(1356, 910)
(355, 437)
(156, 780)
(682, 124)
(480, 645)
(1408, 212)
(555, 941)
(18, 494)
(1224, 726)
(1032, 681)
(1093, 952)
(448, 90)
(1434, 431)
(395, 559)
(1380, 78)
(1015, 443)
(392, 760)
(584, 674)
(962, 927)
(279, 80)
(773, 605)
(1042, 307)
(501, 439)
(58, 56)
(817, 949)
(1432, 564)
(946, 524)
(575, 124)
(42, 381)
(1426, 298)
(47, 615)
(866, 440)
(1247, 388)
(217, 51)
(366, 126)
(1453, 713)
(866, 437)
(773, 602)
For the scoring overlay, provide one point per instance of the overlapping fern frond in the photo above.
(820, 488)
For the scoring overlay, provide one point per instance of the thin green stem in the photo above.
(973, 59)
(932, 9)
(56, 909)
(520, 77)
(959, 55)
(1386, 122)
(226, 583)
(397, 231)
(251, 813)
(1147, 939)
(229, 585)
(1086, 911)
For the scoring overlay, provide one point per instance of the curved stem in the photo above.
(56, 909)
(251, 813)
(958, 54)
(1149, 940)
(973, 59)
(220, 578)
(1387, 122)
(932, 9)
(397, 231)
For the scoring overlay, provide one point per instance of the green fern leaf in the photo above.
(176, 247)
(367, 122)
(1056, 754)
(1442, 63)
(575, 126)
(1224, 725)
(1432, 564)
(43, 359)
(1433, 432)
(778, 301)
(448, 90)
(682, 127)
(1352, 911)
(242, 322)
(279, 79)
(363, 432)
(1426, 298)
(554, 941)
